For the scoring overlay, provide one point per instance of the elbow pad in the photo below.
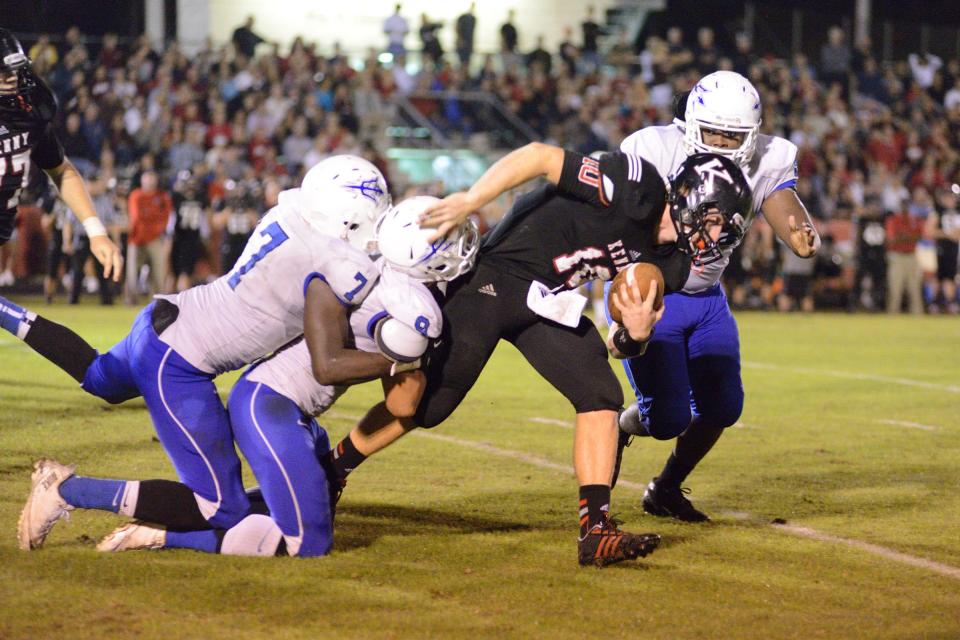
(398, 342)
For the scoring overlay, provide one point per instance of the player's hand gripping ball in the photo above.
(640, 273)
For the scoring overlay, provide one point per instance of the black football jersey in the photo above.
(26, 137)
(602, 215)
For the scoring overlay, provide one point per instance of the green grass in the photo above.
(437, 539)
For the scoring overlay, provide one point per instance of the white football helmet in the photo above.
(343, 196)
(725, 101)
(403, 244)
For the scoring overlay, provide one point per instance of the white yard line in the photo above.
(804, 532)
(909, 425)
(904, 558)
(909, 382)
(559, 423)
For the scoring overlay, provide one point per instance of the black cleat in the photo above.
(670, 502)
(606, 544)
(335, 482)
(623, 440)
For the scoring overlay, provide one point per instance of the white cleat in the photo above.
(44, 505)
(134, 535)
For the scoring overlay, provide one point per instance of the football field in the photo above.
(836, 507)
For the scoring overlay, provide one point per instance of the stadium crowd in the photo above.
(184, 153)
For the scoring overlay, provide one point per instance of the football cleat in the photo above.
(133, 535)
(669, 501)
(623, 440)
(335, 482)
(44, 505)
(607, 544)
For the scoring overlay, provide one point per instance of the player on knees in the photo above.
(695, 354)
(272, 406)
(308, 257)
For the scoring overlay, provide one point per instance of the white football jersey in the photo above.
(773, 167)
(257, 307)
(290, 373)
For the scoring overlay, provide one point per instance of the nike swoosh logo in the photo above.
(116, 498)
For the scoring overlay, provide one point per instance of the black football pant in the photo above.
(486, 305)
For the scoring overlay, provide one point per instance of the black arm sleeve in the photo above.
(48, 152)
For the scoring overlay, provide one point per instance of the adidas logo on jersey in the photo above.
(634, 255)
(488, 289)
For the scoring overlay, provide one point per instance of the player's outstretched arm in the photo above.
(790, 221)
(326, 331)
(517, 167)
(74, 193)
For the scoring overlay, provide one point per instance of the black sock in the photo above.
(594, 505)
(61, 346)
(346, 458)
(171, 504)
(692, 445)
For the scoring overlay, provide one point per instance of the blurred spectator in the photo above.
(797, 290)
(244, 39)
(835, 59)
(44, 55)
(903, 231)
(589, 50)
(924, 66)
(943, 227)
(396, 28)
(149, 210)
(431, 47)
(744, 57)
(540, 58)
(509, 39)
(466, 25)
(869, 283)
(707, 55)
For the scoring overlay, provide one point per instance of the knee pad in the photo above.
(255, 535)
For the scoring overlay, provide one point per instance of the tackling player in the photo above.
(305, 264)
(27, 110)
(272, 406)
(688, 383)
(593, 219)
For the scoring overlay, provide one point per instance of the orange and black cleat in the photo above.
(606, 544)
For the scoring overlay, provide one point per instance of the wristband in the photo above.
(628, 346)
(94, 227)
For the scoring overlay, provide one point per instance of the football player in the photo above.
(272, 406)
(27, 110)
(591, 220)
(687, 383)
(304, 266)
(190, 222)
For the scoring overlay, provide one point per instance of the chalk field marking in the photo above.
(796, 530)
(803, 532)
(909, 382)
(909, 425)
(883, 552)
(558, 423)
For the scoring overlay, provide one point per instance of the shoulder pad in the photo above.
(349, 272)
(410, 302)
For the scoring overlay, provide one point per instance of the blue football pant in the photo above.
(282, 444)
(691, 368)
(190, 420)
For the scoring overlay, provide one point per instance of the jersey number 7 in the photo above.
(277, 237)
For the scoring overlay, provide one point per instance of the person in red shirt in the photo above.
(903, 270)
(149, 210)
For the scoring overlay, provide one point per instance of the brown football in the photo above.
(641, 273)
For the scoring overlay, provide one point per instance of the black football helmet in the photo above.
(708, 183)
(31, 99)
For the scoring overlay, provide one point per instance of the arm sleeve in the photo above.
(48, 152)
